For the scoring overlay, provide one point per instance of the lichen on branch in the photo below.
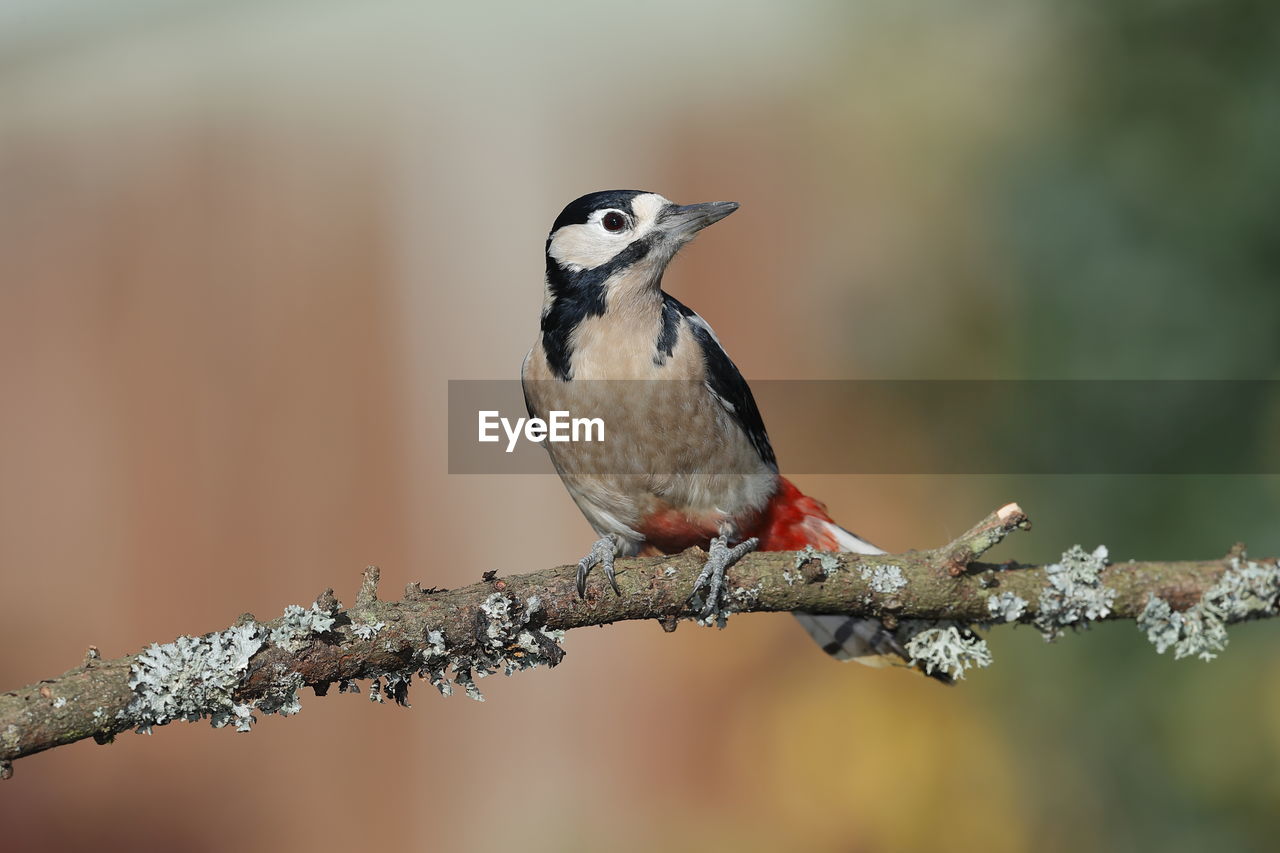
(453, 638)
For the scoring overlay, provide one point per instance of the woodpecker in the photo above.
(687, 460)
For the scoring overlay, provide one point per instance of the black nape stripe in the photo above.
(576, 296)
(561, 280)
(562, 317)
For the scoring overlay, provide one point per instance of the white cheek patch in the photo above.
(583, 247)
(646, 209)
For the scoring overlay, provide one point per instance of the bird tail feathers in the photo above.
(862, 639)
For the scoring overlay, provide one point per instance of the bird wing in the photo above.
(725, 382)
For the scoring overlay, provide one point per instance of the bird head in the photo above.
(622, 239)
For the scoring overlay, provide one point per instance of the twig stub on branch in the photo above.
(454, 637)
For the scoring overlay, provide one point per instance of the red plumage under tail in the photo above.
(793, 520)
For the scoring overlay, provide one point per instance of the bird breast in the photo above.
(674, 467)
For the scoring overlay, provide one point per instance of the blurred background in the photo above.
(243, 247)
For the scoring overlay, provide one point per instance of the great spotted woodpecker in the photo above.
(687, 459)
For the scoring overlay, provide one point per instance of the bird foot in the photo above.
(720, 557)
(603, 553)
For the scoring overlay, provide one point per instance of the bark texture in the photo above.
(450, 637)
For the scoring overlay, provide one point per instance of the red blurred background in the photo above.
(245, 246)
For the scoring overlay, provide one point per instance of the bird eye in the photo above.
(613, 221)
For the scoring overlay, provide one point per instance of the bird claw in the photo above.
(602, 552)
(719, 558)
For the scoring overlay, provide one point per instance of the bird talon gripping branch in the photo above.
(602, 553)
(719, 558)
(687, 460)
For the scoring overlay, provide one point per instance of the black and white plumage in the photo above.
(687, 460)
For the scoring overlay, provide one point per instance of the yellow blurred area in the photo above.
(888, 764)
(244, 246)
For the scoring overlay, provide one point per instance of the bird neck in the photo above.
(598, 326)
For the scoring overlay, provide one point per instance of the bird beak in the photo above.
(683, 221)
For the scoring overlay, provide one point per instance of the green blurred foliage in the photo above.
(1143, 219)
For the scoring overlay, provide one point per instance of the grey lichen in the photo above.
(829, 562)
(745, 597)
(192, 678)
(435, 645)
(298, 625)
(498, 624)
(883, 579)
(949, 649)
(366, 630)
(1006, 607)
(805, 555)
(792, 578)
(511, 636)
(392, 684)
(1075, 594)
(1246, 589)
(282, 696)
(196, 677)
(464, 678)
(517, 640)
(60, 702)
(435, 660)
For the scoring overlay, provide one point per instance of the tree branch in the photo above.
(452, 637)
